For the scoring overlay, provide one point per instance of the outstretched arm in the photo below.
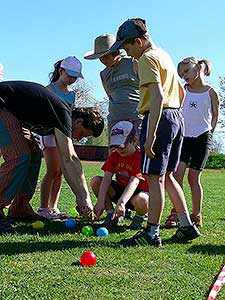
(156, 106)
(73, 173)
(119, 210)
(102, 195)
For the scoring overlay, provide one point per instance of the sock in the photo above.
(152, 230)
(184, 219)
(43, 208)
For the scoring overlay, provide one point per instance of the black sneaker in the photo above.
(5, 227)
(136, 223)
(109, 223)
(128, 214)
(186, 233)
(141, 238)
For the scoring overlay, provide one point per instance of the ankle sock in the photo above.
(184, 219)
(152, 230)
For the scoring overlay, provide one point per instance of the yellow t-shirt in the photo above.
(156, 66)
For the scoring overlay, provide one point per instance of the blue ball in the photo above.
(102, 231)
(70, 223)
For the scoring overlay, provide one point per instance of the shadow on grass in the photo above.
(12, 248)
(208, 249)
(52, 228)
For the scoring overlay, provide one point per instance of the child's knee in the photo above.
(95, 181)
(140, 202)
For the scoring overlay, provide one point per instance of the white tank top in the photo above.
(197, 111)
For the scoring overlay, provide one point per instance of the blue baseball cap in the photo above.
(131, 28)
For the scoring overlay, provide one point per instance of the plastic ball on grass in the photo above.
(102, 231)
(88, 259)
(38, 225)
(103, 215)
(70, 223)
(74, 212)
(87, 230)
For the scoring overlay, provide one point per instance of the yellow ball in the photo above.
(103, 215)
(38, 225)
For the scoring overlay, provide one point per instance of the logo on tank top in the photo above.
(120, 77)
(193, 104)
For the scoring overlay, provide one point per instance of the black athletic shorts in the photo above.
(195, 150)
(119, 191)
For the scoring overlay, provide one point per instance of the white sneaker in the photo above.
(57, 213)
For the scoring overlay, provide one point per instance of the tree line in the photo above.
(83, 94)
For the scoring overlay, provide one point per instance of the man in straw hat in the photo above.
(120, 81)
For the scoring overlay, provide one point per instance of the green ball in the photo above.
(74, 212)
(88, 230)
(38, 225)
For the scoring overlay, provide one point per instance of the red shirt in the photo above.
(125, 168)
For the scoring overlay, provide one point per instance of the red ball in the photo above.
(88, 259)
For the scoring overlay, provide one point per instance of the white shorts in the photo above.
(47, 141)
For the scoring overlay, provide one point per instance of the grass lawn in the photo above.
(45, 265)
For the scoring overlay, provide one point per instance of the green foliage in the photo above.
(216, 161)
(45, 264)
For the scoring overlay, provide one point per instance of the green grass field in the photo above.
(45, 265)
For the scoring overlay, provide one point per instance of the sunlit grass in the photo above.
(45, 264)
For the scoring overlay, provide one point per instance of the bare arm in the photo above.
(156, 106)
(105, 184)
(73, 172)
(126, 196)
(181, 94)
(215, 101)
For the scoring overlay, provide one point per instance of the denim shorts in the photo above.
(167, 146)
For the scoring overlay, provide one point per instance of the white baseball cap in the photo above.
(121, 134)
(72, 66)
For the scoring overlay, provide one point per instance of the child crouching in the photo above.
(130, 188)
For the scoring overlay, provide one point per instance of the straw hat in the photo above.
(101, 47)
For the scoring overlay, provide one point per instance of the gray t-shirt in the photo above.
(122, 83)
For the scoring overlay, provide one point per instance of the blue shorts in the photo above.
(167, 146)
(195, 150)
